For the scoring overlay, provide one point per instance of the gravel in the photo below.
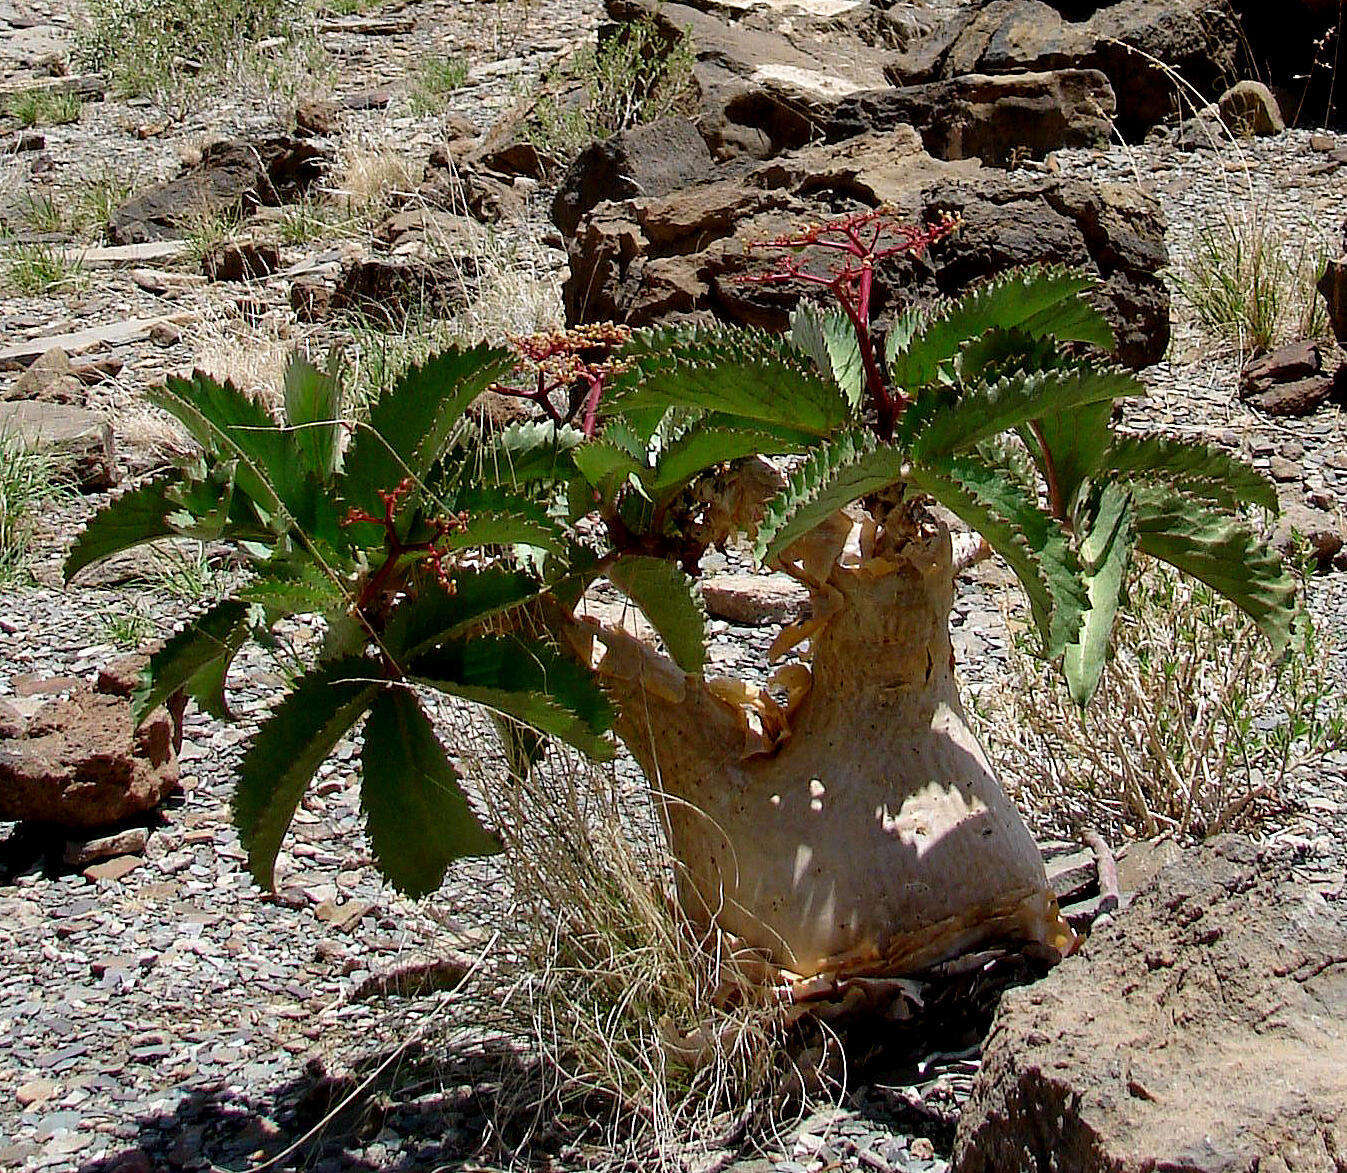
(174, 1017)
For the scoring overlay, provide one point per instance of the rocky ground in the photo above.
(157, 1010)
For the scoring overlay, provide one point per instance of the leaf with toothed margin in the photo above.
(750, 374)
(669, 599)
(287, 750)
(1033, 544)
(1194, 468)
(416, 815)
(1105, 553)
(836, 473)
(196, 659)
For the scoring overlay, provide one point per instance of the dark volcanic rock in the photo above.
(650, 160)
(1204, 1030)
(1137, 44)
(79, 439)
(684, 255)
(995, 118)
(1333, 286)
(389, 289)
(232, 178)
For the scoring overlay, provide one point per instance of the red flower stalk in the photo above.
(860, 241)
(575, 361)
(396, 548)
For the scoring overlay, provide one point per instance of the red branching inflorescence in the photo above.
(577, 362)
(440, 528)
(860, 242)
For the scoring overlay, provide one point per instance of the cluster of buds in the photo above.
(576, 363)
(434, 554)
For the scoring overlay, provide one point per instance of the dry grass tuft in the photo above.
(656, 1046)
(1194, 730)
(370, 179)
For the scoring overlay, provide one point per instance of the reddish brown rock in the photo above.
(1205, 1029)
(1294, 379)
(685, 255)
(79, 764)
(755, 598)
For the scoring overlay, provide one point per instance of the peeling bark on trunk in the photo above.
(860, 829)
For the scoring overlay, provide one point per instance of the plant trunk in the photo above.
(859, 830)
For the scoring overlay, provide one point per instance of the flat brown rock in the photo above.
(1204, 1030)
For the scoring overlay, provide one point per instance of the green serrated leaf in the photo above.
(989, 409)
(524, 679)
(195, 659)
(669, 599)
(1221, 550)
(1195, 468)
(836, 473)
(1105, 553)
(288, 749)
(410, 425)
(1040, 301)
(229, 425)
(524, 747)
(1032, 543)
(430, 615)
(605, 466)
(747, 373)
(313, 411)
(531, 452)
(829, 338)
(416, 815)
(130, 520)
(710, 442)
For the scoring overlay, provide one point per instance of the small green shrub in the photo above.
(128, 630)
(1254, 283)
(437, 77)
(633, 77)
(42, 211)
(45, 108)
(149, 45)
(99, 197)
(28, 480)
(35, 269)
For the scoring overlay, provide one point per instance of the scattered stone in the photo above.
(51, 379)
(751, 599)
(79, 764)
(1205, 1028)
(1293, 379)
(130, 842)
(36, 1091)
(79, 438)
(1302, 523)
(165, 334)
(240, 260)
(389, 289)
(113, 869)
(1248, 109)
(1333, 286)
(344, 916)
(651, 160)
(81, 340)
(414, 979)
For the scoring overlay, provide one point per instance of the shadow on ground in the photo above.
(417, 1109)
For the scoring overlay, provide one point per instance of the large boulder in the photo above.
(231, 178)
(685, 256)
(1204, 1030)
(998, 119)
(650, 160)
(771, 77)
(81, 764)
(1140, 45)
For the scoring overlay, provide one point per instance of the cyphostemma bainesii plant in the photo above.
(845, 822)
